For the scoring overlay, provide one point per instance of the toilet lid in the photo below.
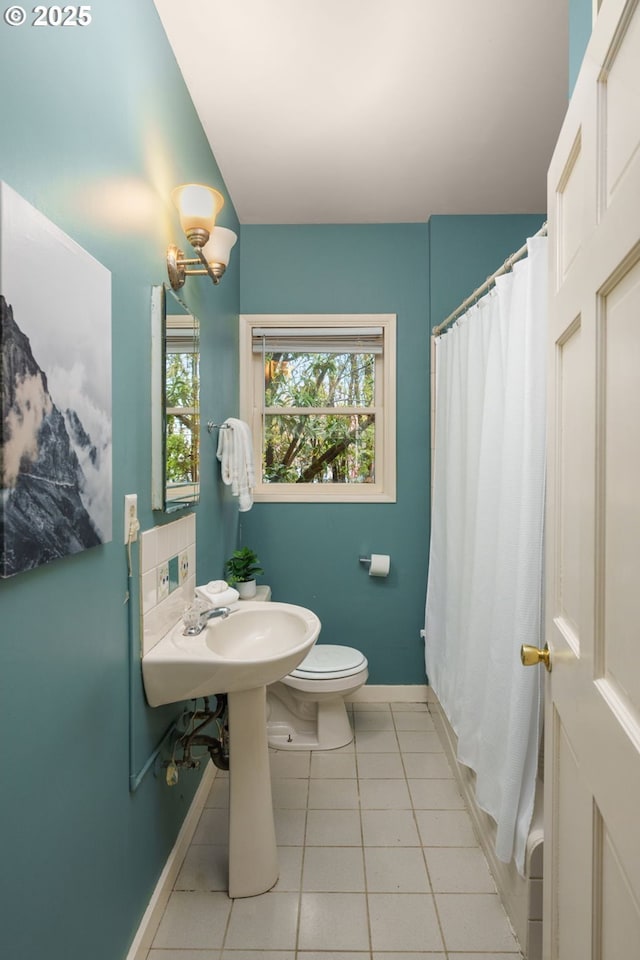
(328, 661)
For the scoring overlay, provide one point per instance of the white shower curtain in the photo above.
(484, 594)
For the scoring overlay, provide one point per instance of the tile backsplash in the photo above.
(167, 577)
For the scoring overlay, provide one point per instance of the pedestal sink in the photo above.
(254, 646)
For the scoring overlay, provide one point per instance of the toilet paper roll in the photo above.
(379, 566)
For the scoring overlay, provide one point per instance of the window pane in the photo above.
(183, 421)
(319, 449)
(319, 379)
(182, 451)
(181, 378)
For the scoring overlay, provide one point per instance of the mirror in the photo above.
(175, 402)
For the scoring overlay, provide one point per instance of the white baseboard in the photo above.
(160, 897)
(393, 693)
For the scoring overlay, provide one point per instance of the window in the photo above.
(319, 394)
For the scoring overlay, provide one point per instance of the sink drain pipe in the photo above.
(218, 747)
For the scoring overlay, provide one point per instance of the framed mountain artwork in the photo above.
(55, 392)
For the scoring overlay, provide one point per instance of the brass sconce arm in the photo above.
(180, 267)
(207, 267)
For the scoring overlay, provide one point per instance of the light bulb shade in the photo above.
(218, 247)
(198, 207)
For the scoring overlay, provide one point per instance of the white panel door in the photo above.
(592, 721)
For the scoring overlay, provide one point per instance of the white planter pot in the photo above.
(246, 589)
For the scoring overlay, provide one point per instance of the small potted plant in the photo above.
(242, 568)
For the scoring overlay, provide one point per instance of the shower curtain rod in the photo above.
(506, 266)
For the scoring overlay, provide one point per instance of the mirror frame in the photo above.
(160, 500)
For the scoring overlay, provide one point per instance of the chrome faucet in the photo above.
(196, 619)
(215, 612)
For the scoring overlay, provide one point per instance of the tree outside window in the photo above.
(183, 420)
(313, 446)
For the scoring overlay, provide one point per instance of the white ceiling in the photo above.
(375, 111)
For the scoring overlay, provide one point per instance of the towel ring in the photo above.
(217, 426)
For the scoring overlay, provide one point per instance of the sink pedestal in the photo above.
(253, 857)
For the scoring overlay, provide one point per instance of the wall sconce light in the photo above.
(198, 207)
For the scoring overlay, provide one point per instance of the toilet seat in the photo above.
(328, 661)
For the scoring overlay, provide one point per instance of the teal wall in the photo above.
(97, 128)
(467, 250)
(580, 22)
(310, 551)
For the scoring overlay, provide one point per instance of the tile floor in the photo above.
(378, 860)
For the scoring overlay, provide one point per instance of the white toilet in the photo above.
(306, 709)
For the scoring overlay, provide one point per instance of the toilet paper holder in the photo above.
(378, 564)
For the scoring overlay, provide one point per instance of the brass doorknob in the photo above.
(531, 656)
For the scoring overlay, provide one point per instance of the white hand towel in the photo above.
(235, 453)
(217, 586)
(225, 453)
(217, 599)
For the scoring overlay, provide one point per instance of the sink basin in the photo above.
(255, 645)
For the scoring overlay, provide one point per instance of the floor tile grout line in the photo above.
(424, 857)
(362, 848)
(302, 862)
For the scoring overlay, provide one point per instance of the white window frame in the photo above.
(251, 410)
